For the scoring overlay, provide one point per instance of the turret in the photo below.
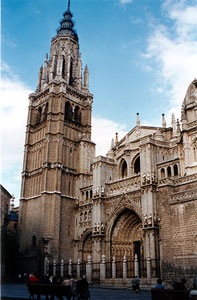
(163, 121)
(86, 78)
(137, 120)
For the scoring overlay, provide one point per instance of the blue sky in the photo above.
(141, 55)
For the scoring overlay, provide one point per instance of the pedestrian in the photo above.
(135, 283)
(68, 282)
(82, 289)
(33, 278)
(159, 284)
(180, 286)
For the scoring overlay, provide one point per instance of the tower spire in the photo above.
(67, 24)
(68, 5)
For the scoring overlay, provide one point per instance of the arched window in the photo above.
(124, 169)
(90, 194)
(162, 173)
(33, 241)
(175, 170)
(86, 195)
(63, 67)
(137, 165)
(169, 171)
(77, 114)
(45, 111)
(71, 72)
(39, 115)
(85, 216)
(68, 111)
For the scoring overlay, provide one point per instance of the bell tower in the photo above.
(58, 150)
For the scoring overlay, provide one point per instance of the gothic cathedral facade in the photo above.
(138, 201)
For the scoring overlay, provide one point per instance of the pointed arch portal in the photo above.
(87, 248)
(126, 236)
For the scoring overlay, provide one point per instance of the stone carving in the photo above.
(150, 220)
(99, 191)
(46, 240)
(98, 228)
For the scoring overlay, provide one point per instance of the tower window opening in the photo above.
(71, 72)
(137, 165)
(169, 171)
(91, 194)
(124, 169)
(68, 111)
(162, 173)
(45, 111)
(39, 115)
(175, 170)
(63, 67)
(77, 116)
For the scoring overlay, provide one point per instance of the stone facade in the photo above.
(137, 202)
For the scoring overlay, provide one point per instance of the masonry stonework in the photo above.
(139, 203)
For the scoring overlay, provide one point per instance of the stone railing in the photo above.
(125, 185)
(185, 179)
(177, 181)
(184, 195)
(114, 269)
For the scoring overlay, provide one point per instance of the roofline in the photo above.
(5, 191)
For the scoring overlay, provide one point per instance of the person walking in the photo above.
(136, 284)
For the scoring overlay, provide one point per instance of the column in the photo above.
(136, 266)
(89, 269)
(78, 268)
(124, 267)
(102, 268)
(114, 267)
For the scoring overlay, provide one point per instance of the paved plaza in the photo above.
(19, 290)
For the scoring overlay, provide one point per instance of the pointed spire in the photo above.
(137, 120)
(112, 143)
(173, 123)
(67, 24)
(178, 127)
(163, 121)
(68, 5)
(86, 78)
(116, 139)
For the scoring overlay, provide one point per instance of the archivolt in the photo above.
(122, 205)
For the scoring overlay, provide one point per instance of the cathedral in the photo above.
(136, 205)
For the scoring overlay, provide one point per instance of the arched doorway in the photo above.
(87, 248)
(126, 236)
(126, 239)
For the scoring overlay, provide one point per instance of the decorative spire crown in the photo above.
(67, 24)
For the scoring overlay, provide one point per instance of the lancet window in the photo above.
(175, 167)
(169, 171)
(68, 111)
(137, 165)
(124, 169)
(71, 72)
(162, 173)
(39, 115)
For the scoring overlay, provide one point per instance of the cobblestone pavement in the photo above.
(19, 290)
